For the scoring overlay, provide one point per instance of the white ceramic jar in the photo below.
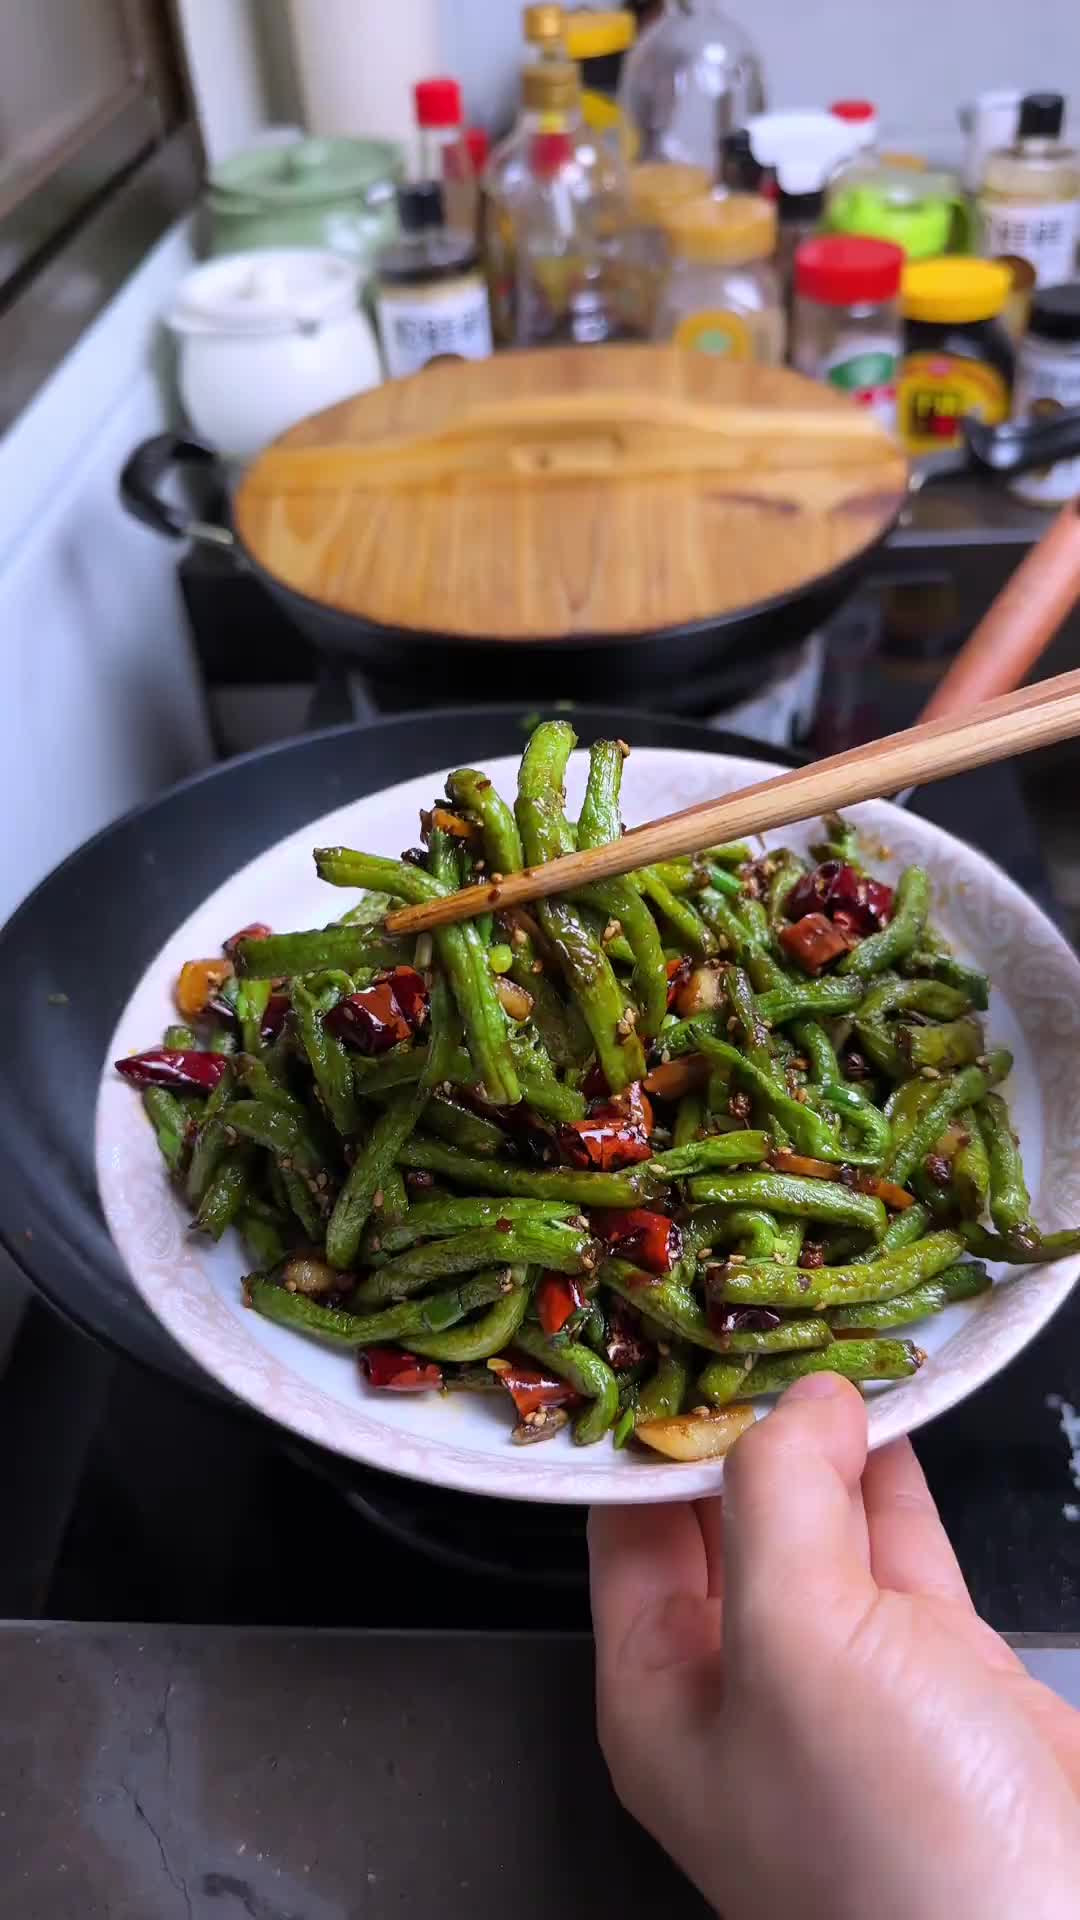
(267, 337)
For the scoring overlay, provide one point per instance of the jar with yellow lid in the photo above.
(958, 357)
(723, 292)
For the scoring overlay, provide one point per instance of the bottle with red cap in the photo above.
(861, 116)
(848, 329)
(445, 155)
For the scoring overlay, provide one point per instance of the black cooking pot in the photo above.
(722, 657)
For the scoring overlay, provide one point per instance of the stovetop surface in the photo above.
(137, 1498)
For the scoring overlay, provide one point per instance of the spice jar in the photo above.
(847, 328)
(1048, 383)
(430, 296)
(958, 358)
(723, 294)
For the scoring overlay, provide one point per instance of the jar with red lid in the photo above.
(847, 328)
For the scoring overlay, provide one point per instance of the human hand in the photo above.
(797, 1698)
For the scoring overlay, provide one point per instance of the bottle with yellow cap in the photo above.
(723, 292)
(958, 357)
(550, 104)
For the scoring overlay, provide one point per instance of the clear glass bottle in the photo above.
(1030, 199)
(547, 107)
(723, 292)
(693, 77)
(564, 229)
(445, 155)
(847, 328)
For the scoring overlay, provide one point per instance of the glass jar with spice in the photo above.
(430, 296)
(958, 357)
(847, 328)
(1048, 383)
(723, 294)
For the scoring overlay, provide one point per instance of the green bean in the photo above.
(765, 1285)
(474, 794)
(694, 933)
(169, 1118)
(433, 1315)
(854, 1359)
(1049, 1246)
(970, 1182)
(544, 1243)
(841, 842)
(284, 1131)
(462, 958)
(395, 1206)
(252, 1000)
(824, 999)
(662, 1394)
(893, 994)
(755, 1035)
(227, 1192)
(484, 1336)
(308, 1206)
(617, 900)
(285, 955)
(751, 1229)
(902, 1231)
(689, 1115)
(180, 1040)
(757, 919)
(210, 1140)
(626, 1189)
(694, 872)
(968, 981)
(813, 1041)
(587, 1373)
(956, 1044)
(910, 908)
(957, 1283)
(263, 1237)
(811, 1134)
(434, 1219)
(545, 833)
(330, 1062)
(368, 1172)
(826, 1200)
(854, 1107)
(720, 1380)
(1010, 1201)
(684, 1036)
(461, 1127)
(736, 1149)
(787, 872)
(407, 1066)
(672, 1305)
(963, 1089)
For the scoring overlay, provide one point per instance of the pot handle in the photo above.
(141, 478)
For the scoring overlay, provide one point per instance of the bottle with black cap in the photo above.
(430, 295)
(1030, 199)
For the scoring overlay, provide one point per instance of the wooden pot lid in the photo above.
(593, 492)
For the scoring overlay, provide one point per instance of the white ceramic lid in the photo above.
(268, 290)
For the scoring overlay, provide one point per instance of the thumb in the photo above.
(794, 1526)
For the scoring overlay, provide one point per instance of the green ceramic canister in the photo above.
(334, 193)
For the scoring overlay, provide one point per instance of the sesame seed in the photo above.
(930, 1073)
(377, 1198)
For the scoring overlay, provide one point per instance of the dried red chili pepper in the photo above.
(401, 1372)
(530, 1390)
(650, 1240)
(371, 1020)
(274, 1016)
(558, 1297)
(724, 1319)
(606, 1140)
(836, 889)
(678, 973)
(625, 1345)
(258, 930)
(161, 1067)
(409, 991)
(813, 941)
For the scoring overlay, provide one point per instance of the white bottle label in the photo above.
(1045, 233)
(1047, 383)
(455, 322)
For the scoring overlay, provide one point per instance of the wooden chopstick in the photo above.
(1018, 722)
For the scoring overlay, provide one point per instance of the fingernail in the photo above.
(815, 1386)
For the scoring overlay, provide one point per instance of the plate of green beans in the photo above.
(552, 1204)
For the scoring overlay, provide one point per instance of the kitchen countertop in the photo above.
(206, 1773)
(166, 1773)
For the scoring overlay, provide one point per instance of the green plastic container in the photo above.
(925, 213)
(309, 193)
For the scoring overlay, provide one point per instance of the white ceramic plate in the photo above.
(462, 1440)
